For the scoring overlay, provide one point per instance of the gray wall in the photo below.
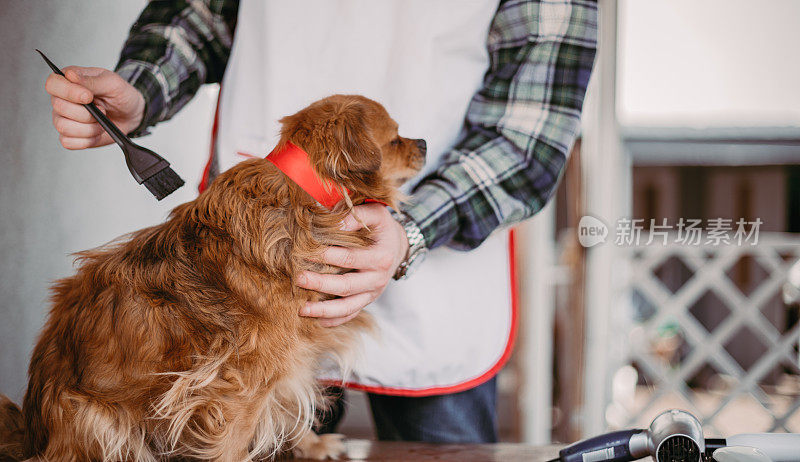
(53, 201)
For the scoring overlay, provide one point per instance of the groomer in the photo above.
(495, 88)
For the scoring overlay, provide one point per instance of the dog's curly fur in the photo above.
(183, 340)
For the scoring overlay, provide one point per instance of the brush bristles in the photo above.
(163, 183)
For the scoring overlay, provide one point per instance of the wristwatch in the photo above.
(416, 246)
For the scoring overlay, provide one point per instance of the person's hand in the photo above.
(114, 96)
(374, 267)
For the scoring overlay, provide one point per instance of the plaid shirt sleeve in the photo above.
(173, 48)
(520, 126)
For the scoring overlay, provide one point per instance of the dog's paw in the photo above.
(320, 447)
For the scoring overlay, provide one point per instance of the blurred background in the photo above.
(693, 114)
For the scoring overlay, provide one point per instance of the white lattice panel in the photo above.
(696, 326)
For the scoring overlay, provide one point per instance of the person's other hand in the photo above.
(113, 95)
(374, 267)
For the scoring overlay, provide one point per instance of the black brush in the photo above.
(146, 166)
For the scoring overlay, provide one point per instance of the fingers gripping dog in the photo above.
(183, 339)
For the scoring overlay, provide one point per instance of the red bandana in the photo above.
(293, 161)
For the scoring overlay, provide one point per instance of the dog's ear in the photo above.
(335, 133)
(352, 152)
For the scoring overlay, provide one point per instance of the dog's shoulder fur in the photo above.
(207, 296)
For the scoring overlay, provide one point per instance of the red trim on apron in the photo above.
(474, 382)
(214, 129)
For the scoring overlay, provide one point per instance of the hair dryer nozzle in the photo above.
(676, 436)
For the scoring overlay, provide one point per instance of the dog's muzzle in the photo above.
(422, 146)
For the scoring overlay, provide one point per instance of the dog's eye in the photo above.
(396, 141)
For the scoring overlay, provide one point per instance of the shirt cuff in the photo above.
(141, 76)
(434, 211)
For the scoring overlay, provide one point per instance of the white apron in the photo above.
(450, 326)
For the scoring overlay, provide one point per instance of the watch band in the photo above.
(416, 246)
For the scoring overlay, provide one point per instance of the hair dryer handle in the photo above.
(613, 446)
(780, 447)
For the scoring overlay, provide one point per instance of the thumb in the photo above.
(364, 216)
(96, 80)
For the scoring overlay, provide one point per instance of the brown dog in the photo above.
(183, 340)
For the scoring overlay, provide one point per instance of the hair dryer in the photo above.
(676, 436)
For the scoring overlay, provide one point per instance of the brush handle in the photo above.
(113, 131)
(110, 127)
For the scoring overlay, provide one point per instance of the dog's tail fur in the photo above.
(12, 431)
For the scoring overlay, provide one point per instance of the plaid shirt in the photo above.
(519, 128)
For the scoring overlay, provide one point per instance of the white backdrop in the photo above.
(53, 201)
(691, 63)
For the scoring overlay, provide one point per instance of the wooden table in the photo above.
(365, 450)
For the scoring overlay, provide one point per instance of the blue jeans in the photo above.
(465, 417)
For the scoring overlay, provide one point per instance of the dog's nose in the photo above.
(422, 146)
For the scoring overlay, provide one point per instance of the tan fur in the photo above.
(183, 340)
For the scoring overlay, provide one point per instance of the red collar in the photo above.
(293, 161)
